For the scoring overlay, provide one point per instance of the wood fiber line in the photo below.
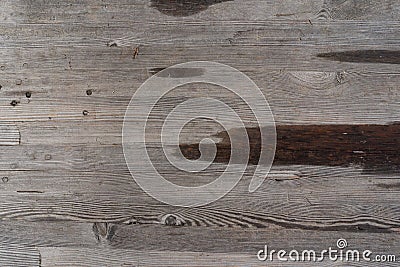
(374, 147)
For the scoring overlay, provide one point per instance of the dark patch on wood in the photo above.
(104, 231)
(135, 52)
(14, 103)
(285, 14)
(183, 8)
(153, 71)
(100, 230)
(181, 72)
(364, 56)
(112, 44)
(373, 147)
(111, 232)
(395, 186)
(130, 221)
(172, 220)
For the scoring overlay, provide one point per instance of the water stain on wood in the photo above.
(364, 56)
(183, 8)
(373, 147)
(153, 71)
(393, 186)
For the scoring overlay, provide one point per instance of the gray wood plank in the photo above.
(89, 184)
(108, 11)
(15, 255)
(106, 257)
(317, 97)
(63, 243)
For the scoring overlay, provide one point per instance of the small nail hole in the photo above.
(14, 103)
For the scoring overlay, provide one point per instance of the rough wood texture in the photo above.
(330, 72)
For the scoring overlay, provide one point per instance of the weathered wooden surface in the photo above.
(69, 68)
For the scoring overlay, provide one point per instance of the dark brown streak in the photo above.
(373, 147)
(364, 56)
(183, 8)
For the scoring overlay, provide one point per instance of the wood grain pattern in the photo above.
(11, 256)
(69, 68)
(9, 135)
